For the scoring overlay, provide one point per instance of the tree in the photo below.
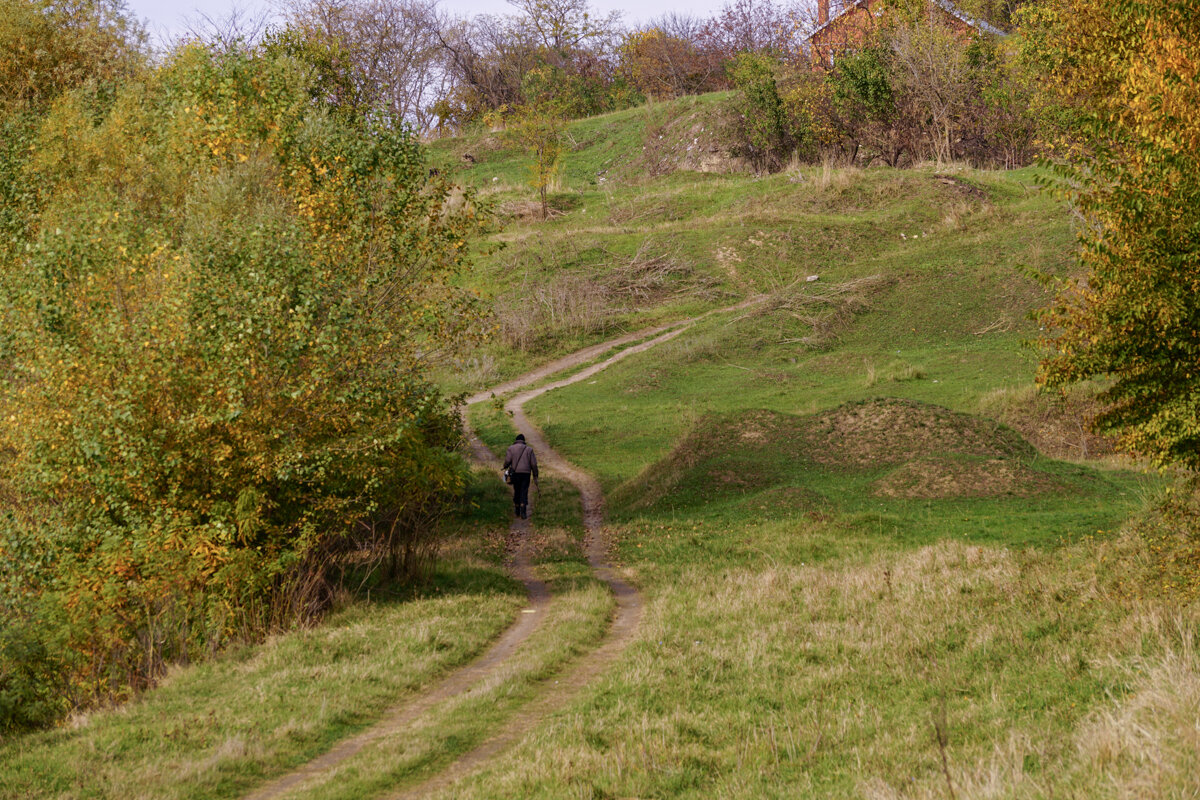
(553, 45)
(538, 127)
(220, 308)
(930, 67)
(664, 64)
(486, 59)
(238, 28)
(394, 48)
(577, 51)
(760, 128)
(812, 119)
(48, 47)
(566, 26)
(758, 26)
(1000, 126)
(1128, 74)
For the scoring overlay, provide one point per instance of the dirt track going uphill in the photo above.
(585, 668)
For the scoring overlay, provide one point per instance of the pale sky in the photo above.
(167, 19)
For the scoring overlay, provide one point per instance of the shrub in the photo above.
(760, 130)
(808, 105)
(868, 110)
(220, 310)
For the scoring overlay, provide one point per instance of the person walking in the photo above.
(521, 459)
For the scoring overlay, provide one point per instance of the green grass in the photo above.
(813, 620)
(575, 622)
(216, 729)
(780, 677)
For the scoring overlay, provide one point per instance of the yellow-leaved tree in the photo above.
(223, 289)
(1126, 80)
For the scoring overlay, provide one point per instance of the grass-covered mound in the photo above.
(887, 449)
(894, 431)
(929, 451)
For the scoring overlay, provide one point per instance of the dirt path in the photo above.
(629, 600)
(588, 353)
(454, 684)
(587, 667)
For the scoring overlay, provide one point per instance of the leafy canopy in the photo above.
(1127, 73)
(222, 295)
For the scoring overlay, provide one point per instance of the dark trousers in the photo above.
(520, 484)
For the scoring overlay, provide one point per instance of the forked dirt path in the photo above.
(587, 667)
(588, 353)
(629, 600)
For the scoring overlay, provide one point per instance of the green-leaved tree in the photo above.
(538, 127)
(1128, 76)
(220, 306)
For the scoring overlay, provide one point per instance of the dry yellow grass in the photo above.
(1148, 743)
(827, 681)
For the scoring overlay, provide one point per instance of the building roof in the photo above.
(945, 5)
(841, 13)
(961, 16)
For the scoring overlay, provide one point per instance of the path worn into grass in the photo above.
(580, 357)
(629, 600)
(454, 684)
(587, 667)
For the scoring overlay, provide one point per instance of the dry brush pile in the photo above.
(586, 301)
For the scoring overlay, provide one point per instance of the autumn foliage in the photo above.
(1125, 76)
(221, 295)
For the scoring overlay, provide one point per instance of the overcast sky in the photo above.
(168, 18)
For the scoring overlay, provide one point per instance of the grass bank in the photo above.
(878, 563)
(218, 729)
(833, 667)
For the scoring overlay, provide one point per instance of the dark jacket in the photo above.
(521, 458)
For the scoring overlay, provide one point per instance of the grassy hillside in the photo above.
(927, 261)
(870, 573)
(219, 729)
(876, 283)
(877, 563)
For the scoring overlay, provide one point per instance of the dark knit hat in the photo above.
(520, 437)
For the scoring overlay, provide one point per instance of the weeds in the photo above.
(572, 304)
(941, 735)
(479, 370)
(652, 273)
(831, 176)
(1058, 424)
(870, 376)
(909, 373)
(753, 680)
(823, 309)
